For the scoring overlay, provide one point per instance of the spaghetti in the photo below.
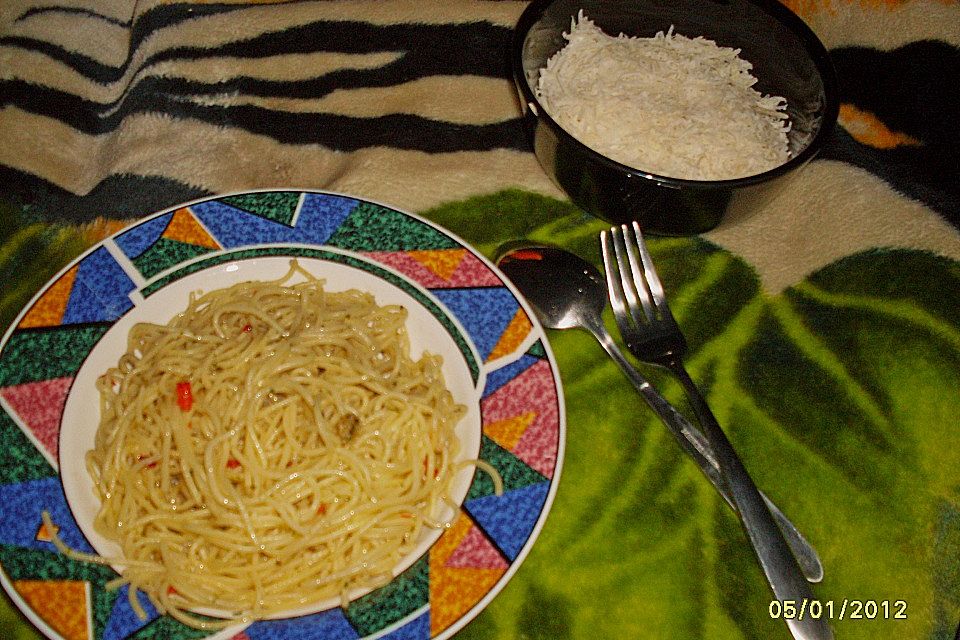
(273, 446)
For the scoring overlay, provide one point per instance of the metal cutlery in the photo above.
(568, 292)
(653, 335)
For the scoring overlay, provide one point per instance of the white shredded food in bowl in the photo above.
(669, 105)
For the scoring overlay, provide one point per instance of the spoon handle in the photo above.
(776, 559)
(695, 444)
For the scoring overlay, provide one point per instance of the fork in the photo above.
(653, 335)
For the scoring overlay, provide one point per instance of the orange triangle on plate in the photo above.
(507, 433)
(49, 309)
(184, 227)
(442, 262)
(43, 535)
(513, 336)
(62, 604)
(454, 590)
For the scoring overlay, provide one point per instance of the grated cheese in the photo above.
(670, 105)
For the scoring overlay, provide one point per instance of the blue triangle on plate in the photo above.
(320, 626)
(101, 290)
(509, 519)
(21, 506)
(321, 214)
(316, 220)
(141, 237)
(503, 375)
(484, 312)
(123, 620)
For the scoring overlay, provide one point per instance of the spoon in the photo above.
(567, 292)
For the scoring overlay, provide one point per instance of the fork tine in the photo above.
(614, 288)
(649, 277)
(638, 297)
(622, 284)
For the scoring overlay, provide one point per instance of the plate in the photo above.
(496, 361)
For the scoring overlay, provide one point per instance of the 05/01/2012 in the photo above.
(846, 609)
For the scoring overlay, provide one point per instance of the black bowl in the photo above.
(788, 60)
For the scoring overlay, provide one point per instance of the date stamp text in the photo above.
(846, 609)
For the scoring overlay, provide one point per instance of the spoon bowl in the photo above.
(566, 291)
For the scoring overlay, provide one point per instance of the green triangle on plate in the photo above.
(399, 598)
(514, 472)
(166, 253)
(31, 355)
(279, 206)
(537, 350)
(20, 460)
(371, 227)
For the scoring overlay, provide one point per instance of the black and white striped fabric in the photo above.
(117, 108)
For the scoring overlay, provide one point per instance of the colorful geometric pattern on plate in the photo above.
(521, 410)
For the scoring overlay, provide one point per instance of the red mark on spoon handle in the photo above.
(525, 254)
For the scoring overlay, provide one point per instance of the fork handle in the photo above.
(695, 444)
(778, 563)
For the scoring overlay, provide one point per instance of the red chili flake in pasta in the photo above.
(233, 463)
(247, 328)
(184, 396)
(322, 509)
(426, 468)
(171, 591)
(150, 465)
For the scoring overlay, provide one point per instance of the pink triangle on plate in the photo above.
(533, 391)
(471, 272)
(406, 264)
(475, 551)
(40, 406)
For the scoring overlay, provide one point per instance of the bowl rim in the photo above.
(813, 46)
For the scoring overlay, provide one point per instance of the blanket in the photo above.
(824, 324)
